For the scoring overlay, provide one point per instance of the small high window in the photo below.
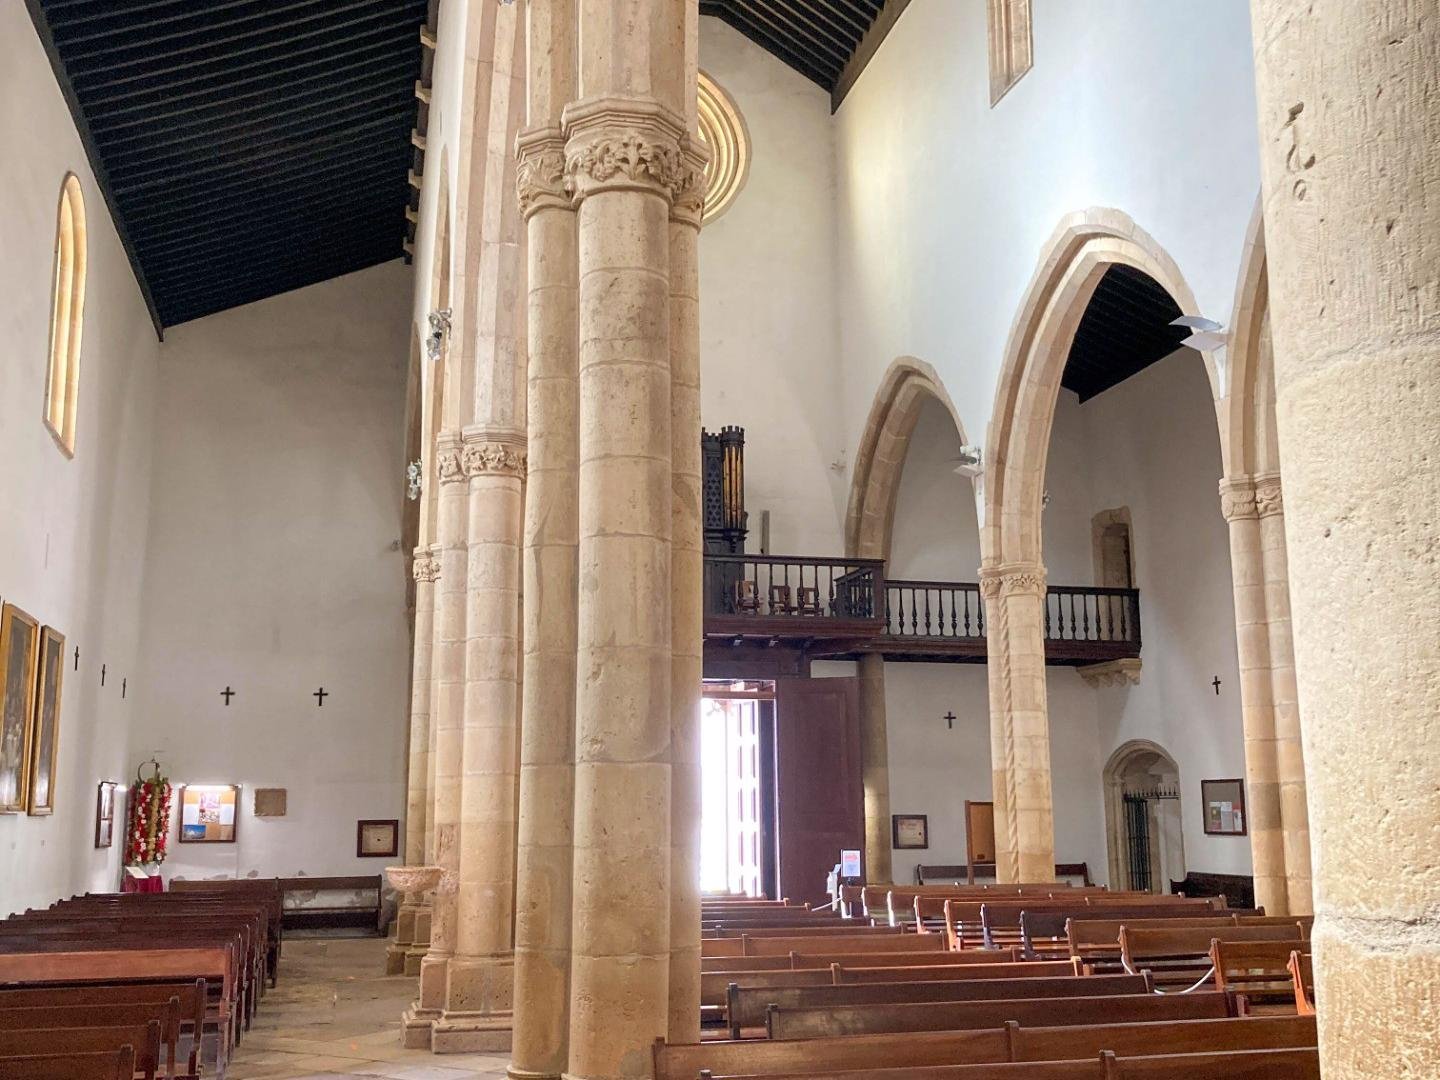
(67, 316)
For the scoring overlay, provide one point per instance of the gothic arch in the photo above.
(1151, 757)
(880, 458)
(1083, 247)
(1247, 411)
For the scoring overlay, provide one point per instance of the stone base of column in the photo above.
(479, 1006)
(395, 955)
(433, 981)
(416, 1024)
(420, 945)
(524, 1074)
(402, 941)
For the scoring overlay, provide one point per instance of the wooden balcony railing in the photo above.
(934, 609)
(1079, 613)
(769, 594)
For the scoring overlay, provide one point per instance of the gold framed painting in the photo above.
(19, 639)
(45, 743)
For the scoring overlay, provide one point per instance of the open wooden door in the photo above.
(819, 796)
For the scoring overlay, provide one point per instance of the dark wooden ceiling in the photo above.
(827, 41)
(245, 147)
(1124, 330)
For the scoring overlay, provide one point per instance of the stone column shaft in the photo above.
(1019, 723)
(425, 570)
(1257, 707)
(875, 762)
(1349, 123)
(547, 746)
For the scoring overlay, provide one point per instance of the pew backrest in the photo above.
(116, 1065)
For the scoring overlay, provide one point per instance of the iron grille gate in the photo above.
(1138, 841)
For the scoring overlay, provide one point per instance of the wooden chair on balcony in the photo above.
(747, 598)
(807, 600)
(780, 600)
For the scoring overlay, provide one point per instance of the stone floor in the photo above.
(335, 1014)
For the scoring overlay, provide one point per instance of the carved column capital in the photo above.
(447, 458)
(540, 172)
(1012, 579)
(426, 565)
(490, 453)
(1269, 498)
(1237, 498)
(688, 205)
(623, 144)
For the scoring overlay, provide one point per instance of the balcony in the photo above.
(840, 608)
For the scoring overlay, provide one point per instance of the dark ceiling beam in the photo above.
(286, 263)
(191, 22)
(295, 223)
(97, 164)
(804, 65)
(889, 13)
(223, 302)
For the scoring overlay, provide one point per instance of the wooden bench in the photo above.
(746, 1007)
(165, 1015)
(766, 945)
(1303, 975)
(1180, 957)
(817, 1023)
(1012, 1042)
(144, 1040)
(1254, 970)
(117, 1065)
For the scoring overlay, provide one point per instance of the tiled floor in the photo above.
(335, 1015)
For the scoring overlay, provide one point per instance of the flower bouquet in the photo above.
(147, 830)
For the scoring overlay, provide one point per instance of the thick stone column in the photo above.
(875, 763)
(481, 971)
(425, 569)
(1257, 707)
(1349, 113)
(448, 717)
(1289, 751)
(687, 618)
(625, 163)
(547, 747)
(1019, 722)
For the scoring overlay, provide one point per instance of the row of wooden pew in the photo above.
(1059, 983)
(113, 985)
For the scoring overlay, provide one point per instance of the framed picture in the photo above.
(208, 813)
(105, 814)
(19, 642)
(40, 793)
(1224, 803)
(377, 838)
(910, 831)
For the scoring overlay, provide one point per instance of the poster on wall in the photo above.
(207, 813)
(19, 639)
(1224, 802)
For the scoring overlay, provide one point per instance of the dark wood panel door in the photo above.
(819, 796)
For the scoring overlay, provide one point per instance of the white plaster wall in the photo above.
(1151, 444)
(944, 204)
(274, 568)
(72, 532)
(768, 318)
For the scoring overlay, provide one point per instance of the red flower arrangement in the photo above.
(147, 829)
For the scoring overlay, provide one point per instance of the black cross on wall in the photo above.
(320, 696)
(949, 719)
(1216, 684)
(102, 674)
(227, 694)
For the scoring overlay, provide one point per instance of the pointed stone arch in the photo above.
(880, 457)
(1165, 822)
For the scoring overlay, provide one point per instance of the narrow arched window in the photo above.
(67, 316)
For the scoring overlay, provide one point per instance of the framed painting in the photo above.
(19, 641)
(1224, 804)
(377, 838)
(910, 831)
(208, 813)
(105, 814)
(40, 792)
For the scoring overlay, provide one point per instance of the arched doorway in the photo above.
(1142, 818)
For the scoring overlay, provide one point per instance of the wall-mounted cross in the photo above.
(1216, 684)
(949, 719)
(227, 694)
(77, 657)
(123, 684)
(102, 674)
(320, 696)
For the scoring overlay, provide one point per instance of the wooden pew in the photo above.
(1180, 957)
(1254, 969)
(818, 1023)
(1037, 969)
(117, 1065)
(1013, 1042)
(1302, 974)
(165, 1015)
(1096, 942)
(765, 945)
(144, 1039)
(746, 1007)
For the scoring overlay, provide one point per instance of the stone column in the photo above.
(425, 910)
(687, 617)
(875, 764)
(1349, 117)
(625, 163)
(448, 716)
(547, 747)
(1257, 708)
(1289, 752)
(1014, 597)
(425, 569)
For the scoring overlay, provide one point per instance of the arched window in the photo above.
(67, 316)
